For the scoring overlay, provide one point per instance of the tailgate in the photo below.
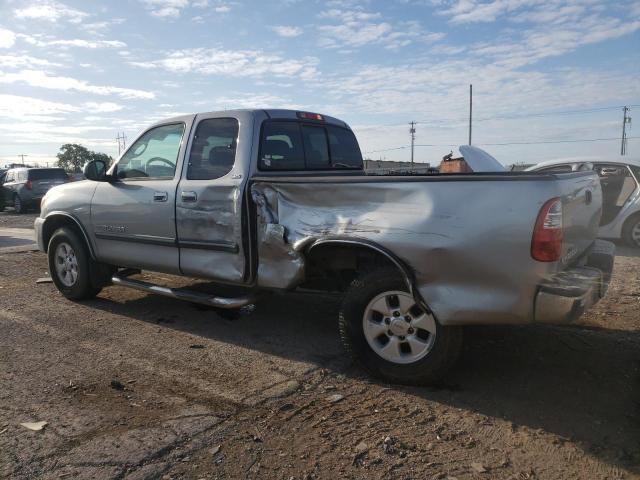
(582, 207)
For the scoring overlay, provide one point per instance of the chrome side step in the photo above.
(180, 293)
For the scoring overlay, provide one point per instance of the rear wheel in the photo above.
(18, 206)
(631, 231)
(389, 334)
(71, 266)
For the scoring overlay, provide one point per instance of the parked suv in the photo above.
(24, 187)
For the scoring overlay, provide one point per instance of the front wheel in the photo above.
(71, 266)
(631, 231)
(391, 336)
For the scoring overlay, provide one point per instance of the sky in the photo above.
(547, 75)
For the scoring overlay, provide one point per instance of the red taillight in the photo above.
(310, 116)
(28, 185)
(546, 244)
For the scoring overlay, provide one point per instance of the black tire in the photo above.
(632, 223)
(86, 284)
(18, 206)
(427, 370)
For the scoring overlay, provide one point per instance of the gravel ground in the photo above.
(136, 386)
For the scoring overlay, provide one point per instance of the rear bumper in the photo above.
(568, 294)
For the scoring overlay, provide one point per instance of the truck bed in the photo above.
(467, 236)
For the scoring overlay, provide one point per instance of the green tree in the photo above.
(72, 157)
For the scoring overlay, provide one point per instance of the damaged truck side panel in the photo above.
(469, 253)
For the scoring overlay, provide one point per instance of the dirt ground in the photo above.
(136, 386)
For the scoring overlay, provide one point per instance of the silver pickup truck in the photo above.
(274, 200)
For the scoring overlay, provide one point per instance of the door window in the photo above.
(154, 155)
(213, 151)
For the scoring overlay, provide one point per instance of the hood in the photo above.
(479, 160)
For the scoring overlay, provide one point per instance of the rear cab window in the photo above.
(47, 174)
(298, 146)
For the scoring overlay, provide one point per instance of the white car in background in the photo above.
(620, 180)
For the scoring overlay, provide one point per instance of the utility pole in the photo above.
(412, 131)
(470, 109)
(122, 142)
(625, 119)
(22, 155)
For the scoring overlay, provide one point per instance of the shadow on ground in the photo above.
(578, 383)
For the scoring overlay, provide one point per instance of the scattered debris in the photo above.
(388, 445)
(196, 345)
(216, 449)
(336, 397)
(478, 467)
(44, 280)
(117, 385)
(4, 430)
(257, 439)
(35, 426)
(286, 407)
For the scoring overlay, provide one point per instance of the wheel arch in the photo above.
(374, 248)
(56, 220)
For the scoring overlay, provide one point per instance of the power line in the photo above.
(502, 144)
(412, 131)
(510, 116)
(470, 109)
(625, 119)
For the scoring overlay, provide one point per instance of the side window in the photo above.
(8, 177)
(153, 155)
(316, 149)
(213, 151)
(345, 152)
(295, 146)
(281, 147)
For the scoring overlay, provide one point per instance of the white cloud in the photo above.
(233, 63)
(356, 28)
(39, 41)
(173, 8)
(7, 38)
(166, 8)
(287, 31)
(37, 78)
(50, 10)
(20, 107)
(102, 107)
(265, 100)
(24, 61)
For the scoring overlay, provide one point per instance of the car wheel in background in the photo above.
(631, 231)
(70, 265)
(390, 335)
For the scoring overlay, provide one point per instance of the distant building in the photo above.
(454, 165)
(388, 167)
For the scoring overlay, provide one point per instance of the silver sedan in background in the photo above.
(620, 180)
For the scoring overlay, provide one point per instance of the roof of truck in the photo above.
(275, 113)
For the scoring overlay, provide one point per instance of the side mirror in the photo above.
(95, 170)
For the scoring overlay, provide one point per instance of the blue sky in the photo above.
(81, 71)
